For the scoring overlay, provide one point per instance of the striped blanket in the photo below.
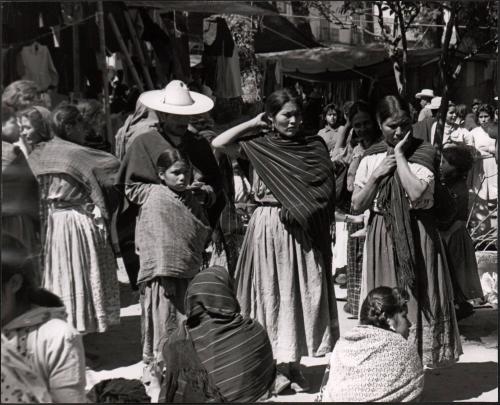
(299, 173)
(171, 235)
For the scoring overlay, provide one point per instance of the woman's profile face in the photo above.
(29, 132)
(395, 127)
(400, 324)
(363, 125)
(287, 121)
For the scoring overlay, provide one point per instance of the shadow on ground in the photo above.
(475, 379)
(481, 327)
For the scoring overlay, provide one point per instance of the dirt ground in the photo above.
(472, 379)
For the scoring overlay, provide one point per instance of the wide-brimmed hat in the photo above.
(176, 98)
(425, 93)
(435, 103)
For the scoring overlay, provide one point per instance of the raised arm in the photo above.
(413, 186)
(231, 136)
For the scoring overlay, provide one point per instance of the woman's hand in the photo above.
(401, 146)
(387, 166)
(259, 122)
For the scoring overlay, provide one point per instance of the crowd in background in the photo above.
(232, 236)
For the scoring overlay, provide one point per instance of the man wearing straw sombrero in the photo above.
(425, 96)
(174, 106)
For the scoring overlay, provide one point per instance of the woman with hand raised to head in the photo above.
(396, 181)
(283, 274)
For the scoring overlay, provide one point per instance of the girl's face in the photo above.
(176, 177)
(10, 130)
(29, 133)
(483, 118)
(395, 127)
(399, 323)
(362, 125)
(451, 115)
(287, 121)
(331, 117)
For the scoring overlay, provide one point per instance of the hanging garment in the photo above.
(229, 76)
(38, 66)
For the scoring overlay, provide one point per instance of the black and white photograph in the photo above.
(249, 201)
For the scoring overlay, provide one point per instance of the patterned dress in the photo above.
(79, 263)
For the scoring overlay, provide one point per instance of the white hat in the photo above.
(176, 99)
(435, 103)
(425, 93)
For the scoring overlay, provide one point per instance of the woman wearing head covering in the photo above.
(77, 199)
(396, 180)
(217, 354)
(374, 362)
(283, 274)
(42, 354)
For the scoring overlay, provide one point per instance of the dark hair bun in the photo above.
(381, 304)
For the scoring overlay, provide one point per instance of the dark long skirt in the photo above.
(437, 338)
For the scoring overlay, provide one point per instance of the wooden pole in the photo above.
(105, 84)
(123, 47)
(138, 49)
(77, 14)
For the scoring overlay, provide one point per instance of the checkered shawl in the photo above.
(93, 169)
(299, 173)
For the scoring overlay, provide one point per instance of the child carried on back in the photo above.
(171, 235)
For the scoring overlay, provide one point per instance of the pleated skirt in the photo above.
(354, 268)
(437, 339)
(282, 282)
(81, 269)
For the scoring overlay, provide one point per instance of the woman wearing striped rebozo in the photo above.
(217, 354)
(282, 276)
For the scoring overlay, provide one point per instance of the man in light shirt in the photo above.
(425, 97)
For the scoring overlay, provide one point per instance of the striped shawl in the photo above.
(299, 173)
(234, 355)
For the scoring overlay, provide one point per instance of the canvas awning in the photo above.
(339, 60)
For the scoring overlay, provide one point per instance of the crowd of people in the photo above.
(231, 238)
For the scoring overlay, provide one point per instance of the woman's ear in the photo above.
(161, 175)
(391, 322)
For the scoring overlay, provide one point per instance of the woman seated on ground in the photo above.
(374, 362)
(42, 354)
(217, 355)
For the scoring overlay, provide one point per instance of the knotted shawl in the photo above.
(171, 235)
(299, 173)
(94, 169)
(371, 364)
(396, 211)
(235, 352)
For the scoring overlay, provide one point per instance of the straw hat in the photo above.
(425, 93)
(176, 99)
(435, 103)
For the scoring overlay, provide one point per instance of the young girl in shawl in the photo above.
(216, 354)
(171, 234)
(42, 354)
(456, 163)
(374, 362)
(283, 274)
(395, 180)
(77, 200)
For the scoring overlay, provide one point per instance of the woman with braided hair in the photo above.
(396, 181)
